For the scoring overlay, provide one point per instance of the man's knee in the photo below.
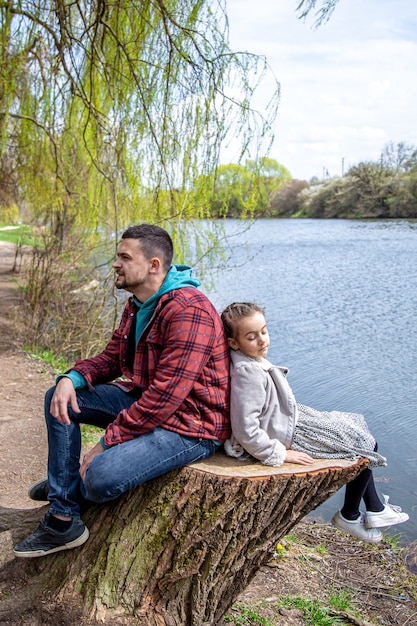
(100, 490)
(99, 484)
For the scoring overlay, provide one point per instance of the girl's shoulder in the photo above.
(242, 362)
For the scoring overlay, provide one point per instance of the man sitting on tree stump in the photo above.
(170, 409)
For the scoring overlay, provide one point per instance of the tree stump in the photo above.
(178, 550)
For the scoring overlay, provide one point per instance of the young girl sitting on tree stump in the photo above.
(269, 425)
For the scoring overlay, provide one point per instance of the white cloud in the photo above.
(347, 88)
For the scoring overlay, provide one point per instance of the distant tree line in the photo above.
(386, 188)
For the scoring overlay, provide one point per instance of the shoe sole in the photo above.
(33, 487)
(67, 546)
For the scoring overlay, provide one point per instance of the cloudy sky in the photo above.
(347, 88)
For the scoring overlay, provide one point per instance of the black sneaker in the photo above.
(39, 491)
(45, 540)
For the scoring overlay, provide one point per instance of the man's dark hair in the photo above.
(154, 241)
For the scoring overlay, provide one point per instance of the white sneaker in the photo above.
(389, 516)
(356, 528)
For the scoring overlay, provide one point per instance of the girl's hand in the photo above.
(302, 458)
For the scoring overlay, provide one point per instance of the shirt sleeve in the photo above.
(278, 456)
(75, 377)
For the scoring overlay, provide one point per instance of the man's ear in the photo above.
(232, 343)
(155, 265)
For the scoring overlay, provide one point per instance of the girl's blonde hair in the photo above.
(234, 312)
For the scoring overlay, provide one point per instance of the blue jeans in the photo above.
(117, 469)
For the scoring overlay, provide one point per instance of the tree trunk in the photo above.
(178, 550)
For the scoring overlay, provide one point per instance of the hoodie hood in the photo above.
(179, 276)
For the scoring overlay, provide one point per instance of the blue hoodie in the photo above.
(178, 276)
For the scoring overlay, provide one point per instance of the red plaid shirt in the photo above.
(181, 365)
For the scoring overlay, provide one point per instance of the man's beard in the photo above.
(118, 285)
(126, 286)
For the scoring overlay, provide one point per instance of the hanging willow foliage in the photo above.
(114, 112)
(110, 111)
(322, 10)
(115, 107)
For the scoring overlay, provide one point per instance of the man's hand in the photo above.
(98, 448)
(64, 394)
(302, 458)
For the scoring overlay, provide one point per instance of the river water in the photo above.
(340, 300)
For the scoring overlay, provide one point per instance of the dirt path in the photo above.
(23, 446)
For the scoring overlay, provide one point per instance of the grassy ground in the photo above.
(322, 577)
(19, 234)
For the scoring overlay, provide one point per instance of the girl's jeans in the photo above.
(117, 469)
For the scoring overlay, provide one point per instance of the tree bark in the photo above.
(178, 550)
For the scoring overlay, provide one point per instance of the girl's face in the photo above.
(251, 336)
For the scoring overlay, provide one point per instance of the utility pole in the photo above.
(343, 165)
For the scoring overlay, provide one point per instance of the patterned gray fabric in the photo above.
(335, 435)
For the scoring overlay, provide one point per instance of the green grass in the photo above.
(328, 612)
(314, 613)
(18, 234)
(285, 544)
(289, 541)
(393, 540)
(246, 616)
(90, 434)
(341, 600)
(58, 363)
